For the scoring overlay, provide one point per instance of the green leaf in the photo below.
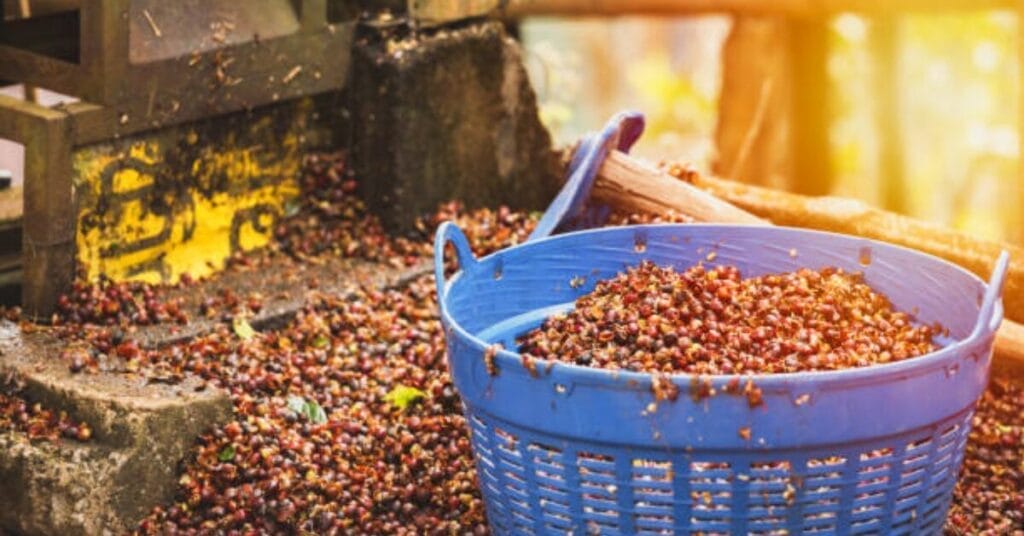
(315, 413)
(308, 409)
(292, 207)
(403, 395)
(297, 405)
(227, 454)
(242, 328)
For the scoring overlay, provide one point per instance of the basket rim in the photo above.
(870, 374)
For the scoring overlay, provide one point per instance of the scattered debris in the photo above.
(152, 23)
(291, 74)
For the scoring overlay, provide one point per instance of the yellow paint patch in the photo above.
(155, 208)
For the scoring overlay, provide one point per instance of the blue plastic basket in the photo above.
(579, 451)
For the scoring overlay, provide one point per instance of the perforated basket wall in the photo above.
(540, 484)
(573, 450)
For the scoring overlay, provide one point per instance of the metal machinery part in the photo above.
(190, 116)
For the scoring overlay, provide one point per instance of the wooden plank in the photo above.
(18, 118)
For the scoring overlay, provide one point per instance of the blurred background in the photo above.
(913, 112)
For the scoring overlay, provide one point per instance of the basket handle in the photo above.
(572, 204)
(447, 233)
(988, 316)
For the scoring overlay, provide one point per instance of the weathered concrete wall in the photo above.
(140, 434)
(447, 115)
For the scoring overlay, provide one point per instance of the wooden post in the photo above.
(884, 49)
(49, 217)
(773, 127)
(753, 131)
(812, 166)
(104, 52)
(1017, 236)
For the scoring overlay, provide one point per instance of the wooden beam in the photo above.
(798, 8)
(43, 71)
(627, 183)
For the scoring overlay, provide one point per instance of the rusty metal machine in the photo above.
(182, 148)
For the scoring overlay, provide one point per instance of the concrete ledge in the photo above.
(141, 430)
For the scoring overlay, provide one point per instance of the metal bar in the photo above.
(49, 218)
(802, 8)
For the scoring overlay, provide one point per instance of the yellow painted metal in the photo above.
(183, 202)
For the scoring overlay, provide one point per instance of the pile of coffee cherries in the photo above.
(711, 320)
(346, 420)
(989, 496)
(35, 420)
